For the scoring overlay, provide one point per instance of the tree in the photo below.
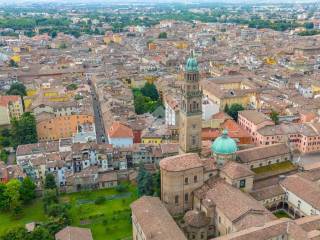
(145, 182)
(309, 25)
(150, 90)
(50, 181)
(12, 63)
(57, 210)
(62, 46)
(157, 184)
(19, 233)
(27, 190)
(50, 197)
(72, 86)
(140, 177)
(140, 103)
(274, 117)
(226, 108)
(53, 34)
(17, 89)
(23, 130)
(40, 233)
(163, 35)
(4, 200)
(12, 192)
(234, 109)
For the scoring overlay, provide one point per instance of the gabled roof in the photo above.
(154, 219)
(74, 233)
(263, 152)
(119, 130)
(303, 188)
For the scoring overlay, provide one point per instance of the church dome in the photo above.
(224, 144)
(192, 64)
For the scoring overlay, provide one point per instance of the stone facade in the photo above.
(190, 118)
(177, 185)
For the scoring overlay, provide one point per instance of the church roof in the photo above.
(224, 144)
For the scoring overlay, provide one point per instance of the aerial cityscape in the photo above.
(159, 120)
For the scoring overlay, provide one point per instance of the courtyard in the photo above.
(109, 219)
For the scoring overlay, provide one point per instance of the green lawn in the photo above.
(110, 220)
(281, 214)
(33, 212)
(283, 166)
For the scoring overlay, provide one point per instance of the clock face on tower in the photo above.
(190, 109)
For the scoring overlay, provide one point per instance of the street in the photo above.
(100, 131)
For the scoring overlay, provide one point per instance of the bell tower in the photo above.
(191, 109)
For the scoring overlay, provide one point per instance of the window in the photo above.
(186, 197)
(186, 180)
(193, 140)
(195, 179)
(242, 183)
(299, 204)
(176, 199)
(219, 219)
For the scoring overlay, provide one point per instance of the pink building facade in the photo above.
(304, 137)
(252, 121)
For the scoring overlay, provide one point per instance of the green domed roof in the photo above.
(192, 64)
(224, 144)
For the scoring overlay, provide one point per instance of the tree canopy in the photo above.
(234, 109)
(15, 193)
(17, 89)
(50, 182)
(150, 90)
(146, 99)
(162, 35)
(24, 130)
(274, 117)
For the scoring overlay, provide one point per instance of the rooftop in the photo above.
(181, 162)
(154, 219)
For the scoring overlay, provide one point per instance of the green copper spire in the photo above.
(192, 64)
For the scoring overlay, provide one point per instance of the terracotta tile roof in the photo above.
(119, 130)
(196, 218)
(236, 170)
(238, 207)
(303, 188)
(181, 162)
(4, 100)
(221, 115)
(169, 148)
(270, 230)
(312, 175)
(254, 116)
(263, 152)
(309, 223)
(267, 192)
(154, 219)
(234, 130)
(74, 233)
(34, 148)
